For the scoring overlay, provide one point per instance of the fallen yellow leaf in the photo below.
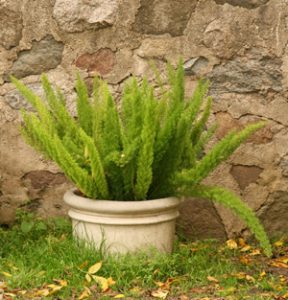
(166, 285)
(84, 264)
(283, 259)
(42, 293)
(245, 260)
(22, 293)
(159, 283)
(231, 290)
(262, 274)
(88, 277)
(240, 275)
(279, 264)
(161, 294)
(54, 288)
(212, 279)
(9, 295)
(279, 243)
(63, 237)
(6, 274)
(194, 249)
(95, 268)
(242, 242)
(136, 290)
(250, 278)
(231, 244)
(246, 248)
(85, 294)
(119, 296)
(103, 282)
(111, 281)
(61, 282)
(255, 252)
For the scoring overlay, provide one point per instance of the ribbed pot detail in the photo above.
(124, 226)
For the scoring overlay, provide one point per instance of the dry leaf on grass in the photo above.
(95, 268)
(279, 243)
(245, 248)
(160, 294)
(255, 252)
(119, 296)
(231, 244)
(85, 294)
(212, 279)
(6, 274)
(166, 285)
(279, 263)
(104, 283)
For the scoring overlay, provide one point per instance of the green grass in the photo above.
(35, 252)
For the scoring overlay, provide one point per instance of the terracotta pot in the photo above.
(124, 226)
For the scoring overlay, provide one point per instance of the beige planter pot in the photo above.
(124, 226)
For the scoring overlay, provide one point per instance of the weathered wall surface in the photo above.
(241, 45)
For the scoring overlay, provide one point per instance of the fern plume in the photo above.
(231, 201)
(145, 147)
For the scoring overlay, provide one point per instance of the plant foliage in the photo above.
(146, 147)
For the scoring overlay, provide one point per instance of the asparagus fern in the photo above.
(148, 147)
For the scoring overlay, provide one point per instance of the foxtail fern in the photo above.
(144, 147)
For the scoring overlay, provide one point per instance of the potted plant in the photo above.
(132, 161)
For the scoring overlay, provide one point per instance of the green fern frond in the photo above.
(204, 138)
(84, 108)
(36, 103)
(111, 128)
(199, 126)
(97, 170)
(231, 201)
(53, 146)
(56, 103)
(195, 102)
(146, 152)
(219, 153)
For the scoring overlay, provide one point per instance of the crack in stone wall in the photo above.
(250, 4)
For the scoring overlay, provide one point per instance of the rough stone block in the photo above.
(164, 16)
(244, 175)
(76, 15)
(43, 56)
(275, 215)
(10, 23)
(250, 74)
(101, 61)
(199, 219)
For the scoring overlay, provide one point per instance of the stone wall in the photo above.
(240, 45)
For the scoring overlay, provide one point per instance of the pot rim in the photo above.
(122, 207)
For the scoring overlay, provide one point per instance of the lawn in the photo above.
(40, 260)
